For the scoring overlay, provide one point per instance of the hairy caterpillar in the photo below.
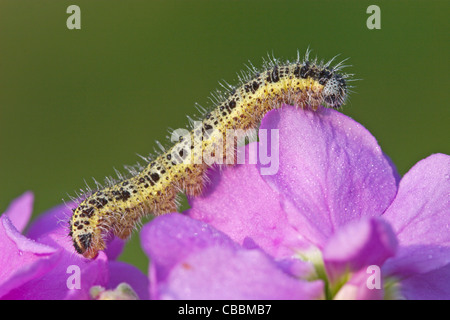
(117, 208)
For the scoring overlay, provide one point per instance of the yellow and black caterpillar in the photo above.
(117, 208)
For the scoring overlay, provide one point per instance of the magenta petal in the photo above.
(420, 216)
(54, 283)
(166, 243)
(433, 285)
(357, 246)
(192, 260)
(51, 220)
(114, 248)
(227, 274)
(20, 210)
(123, 272)
(239, 203)
(357, 287)
(21, 259)
(331, 170)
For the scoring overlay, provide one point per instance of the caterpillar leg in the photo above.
(194, 185)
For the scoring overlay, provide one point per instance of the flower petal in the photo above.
(227, 274)
(239, 203)
(114, 248)
(51, 220)
(21, 259)
(20, 210)
(331, 170)
(433, 285)
(120, 272)
(420, 216)
(361, 286)
(358, 245)
(192, 260)
(71, 278)
(174, 238)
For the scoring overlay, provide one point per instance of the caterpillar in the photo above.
(117, 208)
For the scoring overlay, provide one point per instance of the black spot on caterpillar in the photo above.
(153, 189)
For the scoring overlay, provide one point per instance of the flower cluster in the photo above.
(334, 222)
(41, 263)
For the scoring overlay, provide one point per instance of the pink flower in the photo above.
(335, 209)
(333, 221)
(42, 263)
(192, 260)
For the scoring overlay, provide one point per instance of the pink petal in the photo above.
(361, 287)
(20, 210)
(420, 216)
(358, 245)
(21, 259)
(225, 274)
(120, 272)
(192, 260)
(331, 171)
(51, 220)
(433, 285)
(239, 203)
(53, 285)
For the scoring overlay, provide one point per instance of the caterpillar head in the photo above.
(87, 240)
(335, 91)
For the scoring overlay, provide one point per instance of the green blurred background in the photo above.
(74, 104)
